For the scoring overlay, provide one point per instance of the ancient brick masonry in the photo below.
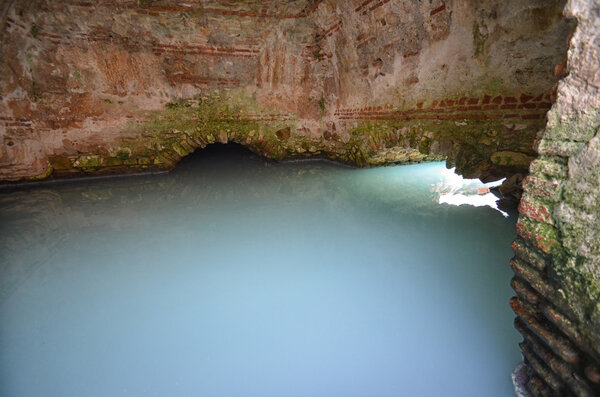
(111, 86)
(557, 254)
(383, 61)
(526, 108)
(362, 81)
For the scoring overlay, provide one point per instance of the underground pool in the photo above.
(237, 276)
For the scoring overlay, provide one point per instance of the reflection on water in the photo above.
(455, 190)
(234, 276)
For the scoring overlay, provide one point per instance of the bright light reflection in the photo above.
(456, 190)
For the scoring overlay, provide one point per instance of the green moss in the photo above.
(580, 128)
(425, 145)
(545, 236)
(35, 30)
(36, 92)
(44, 175)
(88, 162)
(106, 100)
(479, 40)
(77, 76)
(226, 116)
(186, 124)
(495, 86)
(122, 154)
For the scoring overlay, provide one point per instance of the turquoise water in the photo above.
(235, 276)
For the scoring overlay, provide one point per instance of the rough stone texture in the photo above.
(557, 262)
(115, 86)
(472, 79)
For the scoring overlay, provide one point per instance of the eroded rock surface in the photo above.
(117, 86)
(557, 262)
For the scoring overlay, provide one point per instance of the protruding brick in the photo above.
(550, 166)
(558, 367)
(545, 188)
(524, 291)
(533, 277)
(541, 235)
(539, 388)
(556, 342)
(559, 148)
(529, 254)
(536, 209)
(542, 370)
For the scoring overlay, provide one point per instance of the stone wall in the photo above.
(119, 86)
(557, 254)
(470, 79)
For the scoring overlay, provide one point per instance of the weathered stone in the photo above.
(544, 188)
(317, 71)
(535, 209)
(524, 291)
(528, 254)
(515, 160)
(541, 235)
(558, 367)
(558, 148)
(559, 344)
(284, 134)
(60, 162)
(539, 388)
(513, 186)
(534, 278)
(542, 370)
(552, 167)
(564, 188)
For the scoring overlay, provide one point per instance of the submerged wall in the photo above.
(117, 86)
(557, 262)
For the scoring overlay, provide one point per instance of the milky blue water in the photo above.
(235, 276)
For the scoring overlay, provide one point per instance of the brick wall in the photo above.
(557, 254)
(471, 81)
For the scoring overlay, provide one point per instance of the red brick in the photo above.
(438, 10)
(528, 106)
(535, 211)
(525, 98)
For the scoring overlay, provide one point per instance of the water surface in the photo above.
(235, 276)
